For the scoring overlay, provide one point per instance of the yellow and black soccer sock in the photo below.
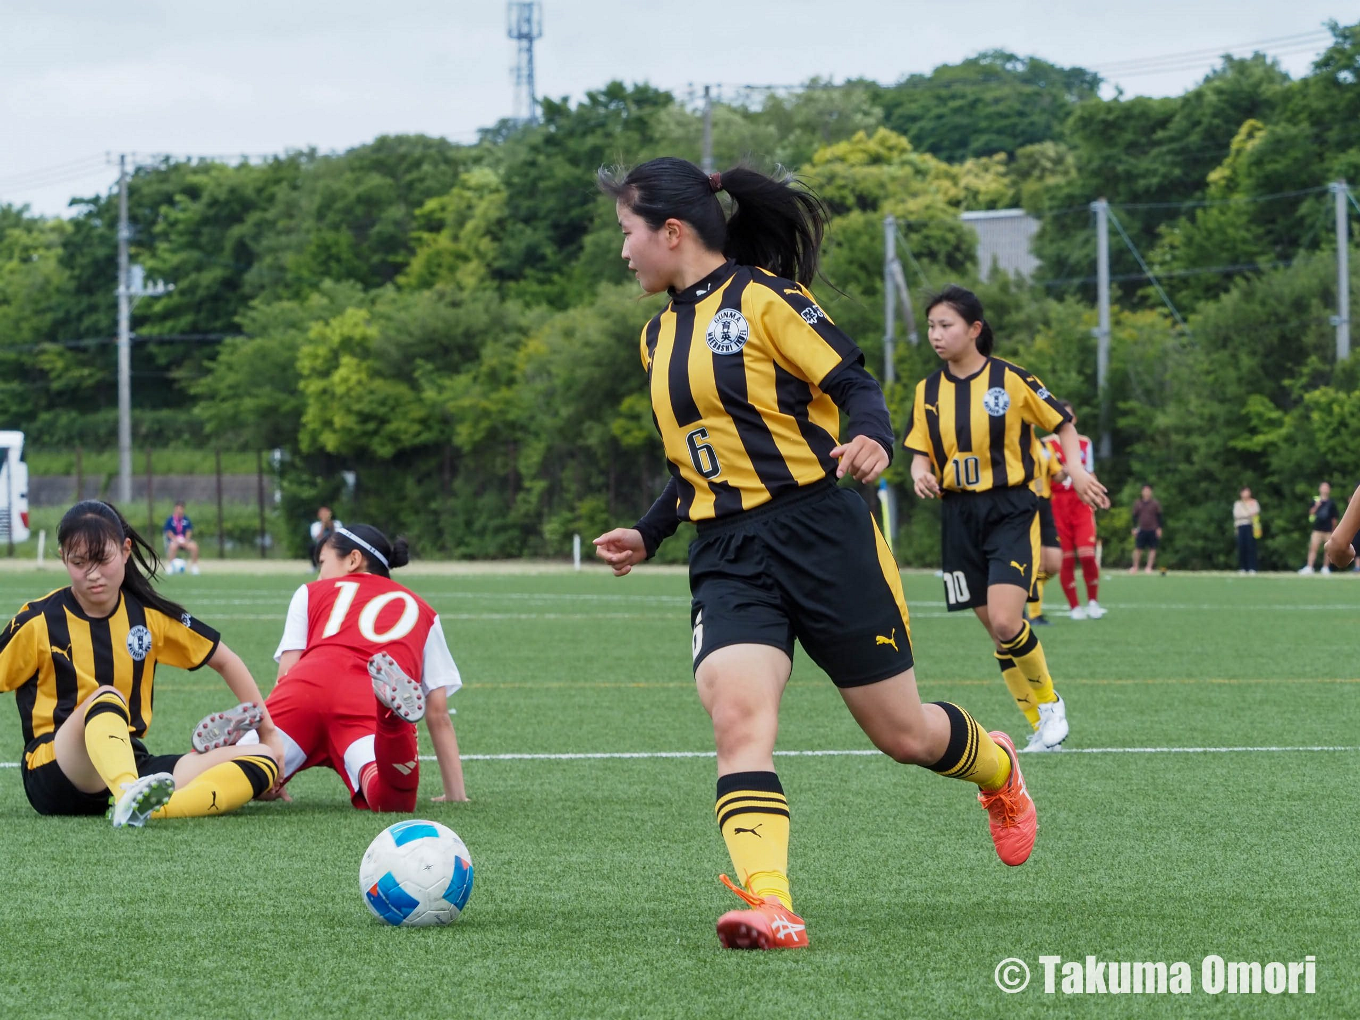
(753, 817)
(107, 741)
(222, 788)
(1020, 689)
(1028, 654)
(971, 755)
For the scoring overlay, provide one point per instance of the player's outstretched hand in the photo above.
(863, 459)
(1338, 555)
(1090, 490)
(925, 483)
(622, 549)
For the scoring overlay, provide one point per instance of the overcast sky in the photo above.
(79, 78)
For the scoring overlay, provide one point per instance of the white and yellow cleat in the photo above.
(395, 689)
(141, 797)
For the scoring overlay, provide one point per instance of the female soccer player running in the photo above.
(83, 659)
(972, 437)
(748, 377)
(361, 660)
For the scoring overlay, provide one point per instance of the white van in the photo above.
(13, 489)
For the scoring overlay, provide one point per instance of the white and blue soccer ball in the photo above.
(177, 565)
(416, 873)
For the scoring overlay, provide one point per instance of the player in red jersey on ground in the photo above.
(361, 660)
(1076, 531)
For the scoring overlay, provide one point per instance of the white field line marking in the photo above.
(856, 753)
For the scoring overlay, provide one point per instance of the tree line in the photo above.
(453, 324)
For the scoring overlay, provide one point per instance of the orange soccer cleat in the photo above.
(767, 925)
(1011, 815)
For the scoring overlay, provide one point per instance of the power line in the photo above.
(1199, 203)
(1137, 255)
(1315, 35)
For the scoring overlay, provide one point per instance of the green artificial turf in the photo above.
(596, 887)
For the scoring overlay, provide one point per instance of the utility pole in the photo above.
(1102, 211)
(708, 130)
(1342, 319)
(124, 344)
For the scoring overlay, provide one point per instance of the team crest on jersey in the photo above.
(728, 332)
(138, 642)
(996, 401)
(186, 619)
(812, 315)
(1043, 393)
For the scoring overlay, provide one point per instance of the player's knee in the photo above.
(738, 724)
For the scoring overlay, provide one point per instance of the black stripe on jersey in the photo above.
(26, 700)
(794, 396)
(932, 399)
(67, 682)
(136, 616)
(729, 377)
(101, 644)
(684, 408)
(963, 416)
(1027, 448)
(726, 499)
(653, 335)
(996, 427)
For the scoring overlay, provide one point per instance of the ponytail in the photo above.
(775, 224)
(969, 308)
(87, 529)
(380, 555)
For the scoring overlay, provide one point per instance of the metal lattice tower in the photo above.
(524, 24)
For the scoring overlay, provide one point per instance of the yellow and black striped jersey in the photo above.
(979, 432)
(736, 366)
(54, 655)
(1045, 467)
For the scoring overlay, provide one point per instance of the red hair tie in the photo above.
(715, 182)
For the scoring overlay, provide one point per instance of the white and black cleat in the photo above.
(1053, 728)
(222, 729)
(141, 797)
(395, 689)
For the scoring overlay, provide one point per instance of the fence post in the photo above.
(221, 529)
(259, 472)
(150, 495)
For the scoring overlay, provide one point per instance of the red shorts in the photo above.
(328, 721)
(1075, 520)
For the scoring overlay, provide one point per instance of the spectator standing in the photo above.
(1147, 528)
(1322, 515)
(1247, 521)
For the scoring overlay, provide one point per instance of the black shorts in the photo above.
(987, 538)
(1048, 527)
(51, 793)
(810, 566)
(1146, 539)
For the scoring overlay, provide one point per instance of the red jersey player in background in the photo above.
(360, 661)
(1076, 531)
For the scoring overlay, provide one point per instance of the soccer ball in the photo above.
(416, 873)
(177, 565)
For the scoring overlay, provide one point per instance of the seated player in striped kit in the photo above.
(83, 659)
(362, 659)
